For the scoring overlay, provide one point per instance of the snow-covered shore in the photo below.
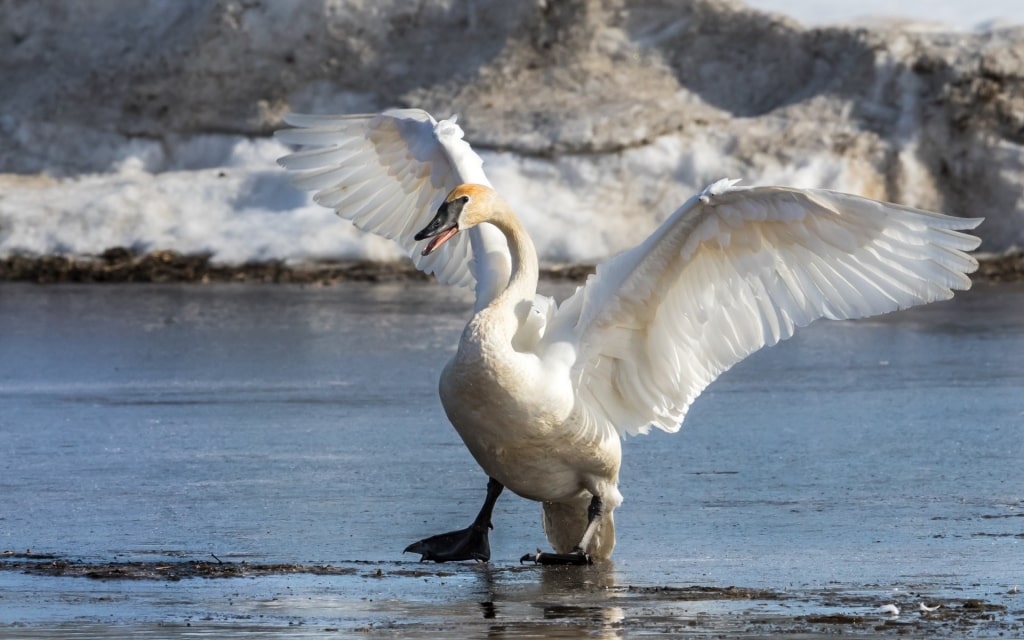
(150, 129)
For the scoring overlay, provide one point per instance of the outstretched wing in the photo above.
(388, 174)
(737, 269)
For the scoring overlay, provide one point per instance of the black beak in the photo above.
(444, 226)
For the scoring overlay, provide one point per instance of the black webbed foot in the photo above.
(466, 544)
(575, 557)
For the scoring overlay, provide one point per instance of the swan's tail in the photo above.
(565, 523)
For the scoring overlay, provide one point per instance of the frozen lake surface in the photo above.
(857, 465)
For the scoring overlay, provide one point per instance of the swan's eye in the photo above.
(455, 205)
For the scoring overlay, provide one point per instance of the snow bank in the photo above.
(149, 129)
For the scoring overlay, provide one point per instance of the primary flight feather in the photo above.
(542, 393)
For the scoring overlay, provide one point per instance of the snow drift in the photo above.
(149, 128)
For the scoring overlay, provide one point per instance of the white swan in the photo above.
(542, 394)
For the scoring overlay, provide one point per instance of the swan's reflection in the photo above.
(537, 599)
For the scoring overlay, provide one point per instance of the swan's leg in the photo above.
(579, 554)
(466, 544)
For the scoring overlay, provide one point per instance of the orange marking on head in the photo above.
(468, 190)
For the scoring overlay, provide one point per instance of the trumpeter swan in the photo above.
(543, 393)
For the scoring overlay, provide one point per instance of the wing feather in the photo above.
(388, 174)
(736, 269)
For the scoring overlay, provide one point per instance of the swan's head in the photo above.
(466, 206)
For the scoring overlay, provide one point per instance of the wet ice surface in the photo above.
(857, 465)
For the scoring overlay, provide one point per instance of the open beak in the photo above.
(443, 227)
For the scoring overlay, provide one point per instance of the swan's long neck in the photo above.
(516, 299)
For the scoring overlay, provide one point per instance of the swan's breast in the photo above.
(488, 381)
(513, 412)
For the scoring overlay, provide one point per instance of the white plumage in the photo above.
(541, 393)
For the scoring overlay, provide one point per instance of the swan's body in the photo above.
(514, 406)
(542, 394)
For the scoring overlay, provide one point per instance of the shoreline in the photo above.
(231, 597)
(121, 265)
